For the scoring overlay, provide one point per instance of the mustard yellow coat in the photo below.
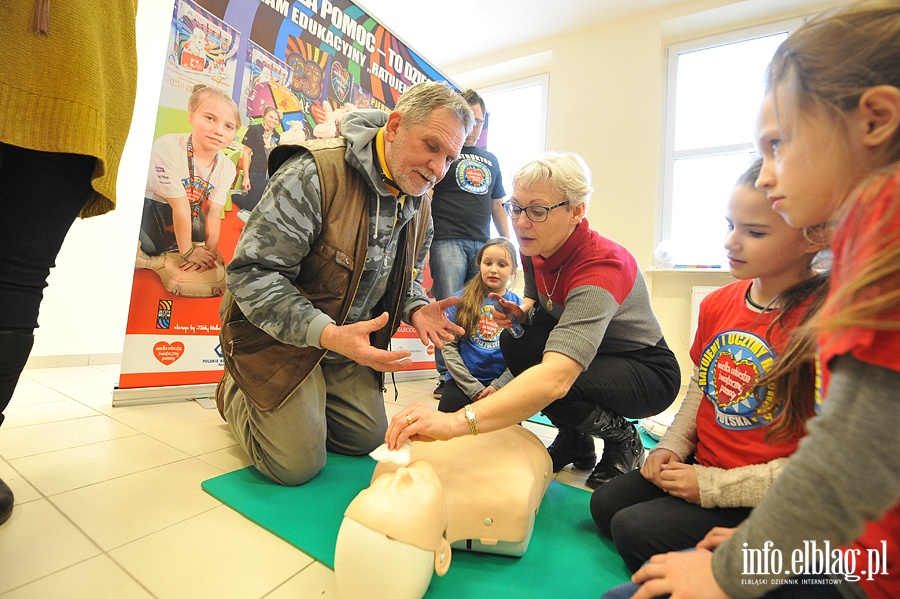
(72, 89)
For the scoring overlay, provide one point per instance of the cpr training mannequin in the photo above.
(184, 283)
(392, 536)
(492, 486)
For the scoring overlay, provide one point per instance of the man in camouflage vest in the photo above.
(327, 265)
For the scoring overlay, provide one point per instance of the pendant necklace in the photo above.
(549, 300)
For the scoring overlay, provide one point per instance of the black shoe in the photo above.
(623, 452)
(572, 447)
(6, 502)
(439, 390)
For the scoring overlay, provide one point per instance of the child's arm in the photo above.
(681, 436)
(195, 257)
(845, 471)
(181, 223)
(737, 487)
(457, 369)
(245, 167)
(213, 227)
(679, 441)
(505, 377)
(496, 384)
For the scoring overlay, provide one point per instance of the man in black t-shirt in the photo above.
(465, 202)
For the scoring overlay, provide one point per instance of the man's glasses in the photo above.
(536, 214)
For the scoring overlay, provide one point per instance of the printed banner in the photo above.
(312, 61)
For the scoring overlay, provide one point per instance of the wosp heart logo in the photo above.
(167, 353)
(474, 176)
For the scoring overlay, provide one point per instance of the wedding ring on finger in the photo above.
(408, 419)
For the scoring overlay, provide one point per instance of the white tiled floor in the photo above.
(109, 504)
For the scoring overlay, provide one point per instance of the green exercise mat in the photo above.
(566, 557)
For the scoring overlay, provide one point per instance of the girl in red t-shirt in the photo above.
(829, 132)
(722, 452)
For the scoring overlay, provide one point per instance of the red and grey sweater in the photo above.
(600, 301)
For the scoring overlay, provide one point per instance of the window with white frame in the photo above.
(516, 125)
(714, 88)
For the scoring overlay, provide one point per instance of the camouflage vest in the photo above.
(268, 371)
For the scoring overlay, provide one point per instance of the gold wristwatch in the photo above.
(470, 416)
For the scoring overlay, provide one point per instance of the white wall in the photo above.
(607, 100)
(85, 306)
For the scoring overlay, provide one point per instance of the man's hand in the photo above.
(352, 340)
(433, 325)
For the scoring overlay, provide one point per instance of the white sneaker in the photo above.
(243, 214)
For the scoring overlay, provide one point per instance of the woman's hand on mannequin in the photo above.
(418, 422)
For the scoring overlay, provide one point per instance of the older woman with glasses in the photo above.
(593, 353)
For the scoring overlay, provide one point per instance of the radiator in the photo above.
(697, 295)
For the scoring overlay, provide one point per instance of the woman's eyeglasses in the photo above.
(536, 214)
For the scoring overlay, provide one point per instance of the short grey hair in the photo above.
(419, 101)
(564, 172)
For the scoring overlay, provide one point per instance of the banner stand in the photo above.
(153, 395)
(311, 61)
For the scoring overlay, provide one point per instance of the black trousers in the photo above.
(41, 195)
(633, 384)
(642, 520)
(258, 181)
(453, 398)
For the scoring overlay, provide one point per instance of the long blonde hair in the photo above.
(830, 62)
(468, 310)
(826, 66)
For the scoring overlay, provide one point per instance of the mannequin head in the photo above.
(392, 536)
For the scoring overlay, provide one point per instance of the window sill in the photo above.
(693, 269)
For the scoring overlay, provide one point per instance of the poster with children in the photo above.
(202, 50)
(225, 101)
